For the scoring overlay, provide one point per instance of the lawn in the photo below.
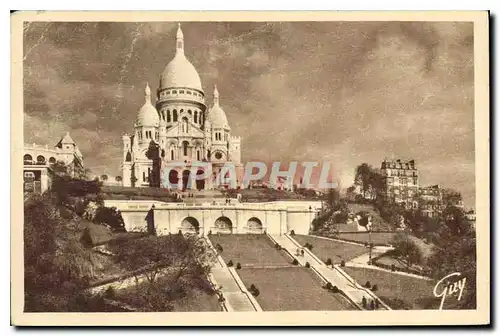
(335, 250)
(378, 238)
(291, 288)
(250, 249)
(398, 291)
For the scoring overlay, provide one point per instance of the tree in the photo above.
(370, 181)
(457, 254)
(104, 177)
(170, 266)
(406, 250)
(57, 267)
(111, 217)
(118, 178)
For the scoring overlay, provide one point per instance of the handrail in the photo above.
(244, 290)
(309, 252)
(343, 293)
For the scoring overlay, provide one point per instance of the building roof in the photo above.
(180, 73)
(147, 116)
(216, 115)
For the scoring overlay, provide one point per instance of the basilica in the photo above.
(181, 127)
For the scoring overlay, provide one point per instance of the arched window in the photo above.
(168, 116)
(195, 117)
(198, 155)
(184, 125)
(40, 159)
(201, 118)
(171, 154)
(128, 157)
(143, 176)
(185, 148)
(28, 159)
(175, 115)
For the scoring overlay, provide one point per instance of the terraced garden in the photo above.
(291, 288)
(398, 291)
(335, 250)
(250, 250)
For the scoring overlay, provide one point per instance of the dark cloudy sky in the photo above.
(347, 92)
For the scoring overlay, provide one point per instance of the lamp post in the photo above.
(369, 245)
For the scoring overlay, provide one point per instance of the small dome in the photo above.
(180, 72)
(216, 115)
(148, 115)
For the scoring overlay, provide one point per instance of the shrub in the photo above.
(111, 217)
(238, 266)
(368, 284)
(308, 265)
(295, 262)
(86, 238)
(252, 287)
(328, 285)
(342, 263)
(230, 263)
(393, 268)
(292, 233)
(335, 289)
(110, 293)
(256, 292)
(179, 233)
(328, 262)
(374, 288)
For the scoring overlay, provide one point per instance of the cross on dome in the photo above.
(180, 40)
(147, 91)
(216, 95)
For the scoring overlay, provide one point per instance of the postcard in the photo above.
(250, 168)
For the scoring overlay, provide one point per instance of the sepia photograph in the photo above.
(177, 165)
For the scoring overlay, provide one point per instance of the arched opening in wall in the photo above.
(254, 225)
(195, 117)
(168, 116)
(40, 159)
(190, 225)
(171, 154)
(200, 183)
(185, 179)
(175, 115)
(162, 153)
(173, 177)
(52, 160)
(185, 145)
(185, 125)
(198, 155)
(224, 225)
(128, 157)
(27, 159)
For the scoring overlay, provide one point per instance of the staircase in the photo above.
(237, 297)
(336, 276)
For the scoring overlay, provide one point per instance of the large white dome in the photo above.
(180, 73)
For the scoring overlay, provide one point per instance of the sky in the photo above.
(343, 92)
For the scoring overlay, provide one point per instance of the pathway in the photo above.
(234, 291)
(336, 276)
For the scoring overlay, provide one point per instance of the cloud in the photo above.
(348, 92)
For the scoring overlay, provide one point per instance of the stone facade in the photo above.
(181, 127)
(272, 217)
(37, 161)
(401, 183)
